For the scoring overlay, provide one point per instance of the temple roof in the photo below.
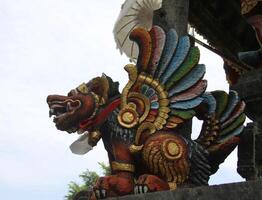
(223, 25)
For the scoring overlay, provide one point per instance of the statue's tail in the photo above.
(222, 125)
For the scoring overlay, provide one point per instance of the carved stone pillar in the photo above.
(173, 14)
(249, 153)
(249, 88)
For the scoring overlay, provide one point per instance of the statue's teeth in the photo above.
(51, 112)
(68, 106)
(55, 119)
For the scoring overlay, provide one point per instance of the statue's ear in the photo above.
(100, 86)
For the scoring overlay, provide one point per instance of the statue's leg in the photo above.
(121, 182)
(166, 156)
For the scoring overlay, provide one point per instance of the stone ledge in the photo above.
(250, 190)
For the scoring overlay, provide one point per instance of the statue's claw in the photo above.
(113, 186)
(150, 183)
(100, 194)
(141, 189)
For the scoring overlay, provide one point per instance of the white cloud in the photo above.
(48, 47)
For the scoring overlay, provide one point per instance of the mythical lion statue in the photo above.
(142, 127)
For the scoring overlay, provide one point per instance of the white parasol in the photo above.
(81, 145)
(134, 13)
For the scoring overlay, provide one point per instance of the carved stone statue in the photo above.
(141, 128)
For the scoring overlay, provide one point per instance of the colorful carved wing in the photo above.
(222, 126)
(226, 117)
(165, 85)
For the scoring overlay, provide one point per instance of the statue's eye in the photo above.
(83, 88)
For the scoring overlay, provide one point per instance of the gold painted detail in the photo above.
(83, 88)
(248, 5)
(163, 109)
(128, 116)
(105, 89)
(100, 86)
(157, 158)
(210, 131)
(172, 185)
(117, 166)
(145, 104)
(172, 149)
(141, 79)
(132, 72)
(134, 103)
(135, 149)
(145, 127)
(94, 137)
(96, 99)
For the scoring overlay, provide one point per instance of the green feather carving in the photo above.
(184, 114)
(191, 61)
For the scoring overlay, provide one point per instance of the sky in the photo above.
(49, 47)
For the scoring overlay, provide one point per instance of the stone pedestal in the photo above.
(235, 191)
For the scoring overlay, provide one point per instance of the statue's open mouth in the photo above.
(57, 110)
(62, 108)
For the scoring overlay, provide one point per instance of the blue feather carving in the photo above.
(180, 55)
(155, 105)
(150, 92)
(210, 100)
(189, 80)
(187, 104)
(169, 49)
(233, 101)
(234, 115)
